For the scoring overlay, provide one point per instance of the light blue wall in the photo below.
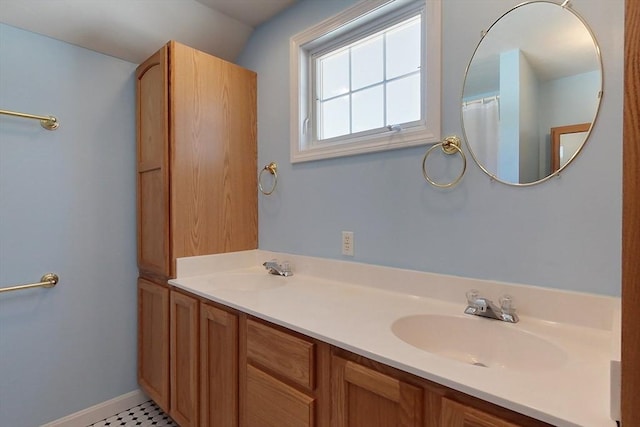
(565, 233)
(566, 101)
(564, 106)
(67, 205)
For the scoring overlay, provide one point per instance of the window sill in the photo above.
(406, 138)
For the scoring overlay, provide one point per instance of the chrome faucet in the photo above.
(484, 307)
(274, 267)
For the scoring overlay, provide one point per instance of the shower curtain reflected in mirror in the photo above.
(481, 120)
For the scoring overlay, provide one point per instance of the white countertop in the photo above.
(357, 314)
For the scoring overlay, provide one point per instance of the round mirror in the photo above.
(531, 93)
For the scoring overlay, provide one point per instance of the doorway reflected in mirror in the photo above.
(565, 143)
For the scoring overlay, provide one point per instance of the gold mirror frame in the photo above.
(493, 175)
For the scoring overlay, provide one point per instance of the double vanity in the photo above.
(341, 341)
(342, 344)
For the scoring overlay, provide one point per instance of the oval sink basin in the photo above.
(479, 341)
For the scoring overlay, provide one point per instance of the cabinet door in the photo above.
(363, 397)
(455, 414)
(184, 346)
(213, 155)
(152, 166)
(153, 341)
(218, 367)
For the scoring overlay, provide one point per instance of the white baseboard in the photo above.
(101, 410)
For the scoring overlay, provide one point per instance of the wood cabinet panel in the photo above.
(630, 396)
(218, 367)
(362, 396)
(455, 414)
(153, 245)
(153, 346)
(152, 111)
(291, 357)
(272, 403)
(213, 107)
(184, 348)
(152, 166)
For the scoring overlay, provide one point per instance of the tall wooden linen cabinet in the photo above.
(196, 195)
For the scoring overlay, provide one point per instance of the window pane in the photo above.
(334, 74)
(366, 63)
(368, 109)
(403, 48)
(403, 100)
(335, 118)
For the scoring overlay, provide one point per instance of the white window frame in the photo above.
(304, 44)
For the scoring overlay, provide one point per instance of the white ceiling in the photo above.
(554, 41)
(134, 29)
(250, 12)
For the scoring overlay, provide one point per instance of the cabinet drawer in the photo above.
(271, 403)
(289, 356)
(456, 414)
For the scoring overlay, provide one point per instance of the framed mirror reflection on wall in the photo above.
(537, 68)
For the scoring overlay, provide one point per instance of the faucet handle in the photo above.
(472, 297)
(508, 310)
(286, 267)
(506, 304)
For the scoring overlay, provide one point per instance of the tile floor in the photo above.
(145, 414)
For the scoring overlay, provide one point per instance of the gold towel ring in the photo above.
(450, 145)
(273, 170)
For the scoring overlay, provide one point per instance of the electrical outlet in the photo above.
(347, 243)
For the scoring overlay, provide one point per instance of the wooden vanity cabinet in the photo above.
(283, 377)
(230, 369)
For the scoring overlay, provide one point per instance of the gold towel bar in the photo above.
(47, 122)
(49, 280)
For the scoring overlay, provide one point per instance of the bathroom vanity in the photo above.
(341, 344)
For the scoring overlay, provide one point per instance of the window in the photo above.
(366, 80)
